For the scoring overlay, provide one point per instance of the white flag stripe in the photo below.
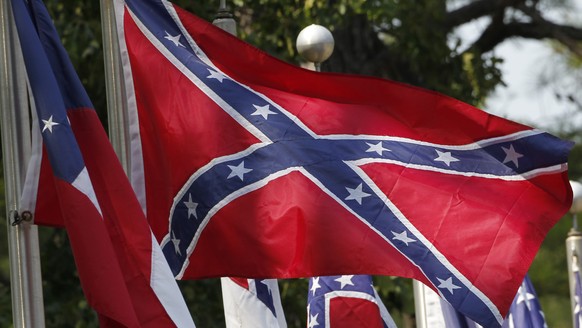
(243, 309)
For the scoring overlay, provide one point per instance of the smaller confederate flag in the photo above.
(346, 301)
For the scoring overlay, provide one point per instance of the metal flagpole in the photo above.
(25, 274)
(115, 87)
(574, 241)
(420, 304)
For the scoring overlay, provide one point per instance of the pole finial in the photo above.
(315, 43)
(225, 19)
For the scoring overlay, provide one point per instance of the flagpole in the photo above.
(419, 304)
(114, 86)
(574, 242)
(24, 255)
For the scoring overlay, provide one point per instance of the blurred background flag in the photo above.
(525, 311)
(438, 313)
(454, 319)
(252, 303)
(346, 301)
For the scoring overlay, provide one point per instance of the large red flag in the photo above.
(122, 270)
(250, 167)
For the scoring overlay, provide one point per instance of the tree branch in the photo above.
(499, 30)
(569, 36)
(469, 12)
(538, 29)
(478, 9)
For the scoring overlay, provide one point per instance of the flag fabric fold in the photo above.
(252, 303)
(80, 184)
(250, 167)
(346, 301)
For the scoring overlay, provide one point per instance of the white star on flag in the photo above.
(445, 157)
(345, 280)
(176, 243)
(511, 155)
(403, 237)
(263, 111)
(314, 285)
(238, 171)
(313, 321)
(174, 39)
(448, 284)
(356, 194)
(215, 75)
(524, 296)
(48, 124)
(191, 207)
(377, 148)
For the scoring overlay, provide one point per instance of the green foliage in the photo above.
(65, 305)
(557, 310)
(398, 296)
(382, 38)
(294, 301)
(204, 299)
(79, 26)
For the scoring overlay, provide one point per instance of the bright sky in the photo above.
(524, 100)
(525, 62)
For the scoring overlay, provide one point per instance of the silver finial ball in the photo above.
(315, 43)
(577, 197)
